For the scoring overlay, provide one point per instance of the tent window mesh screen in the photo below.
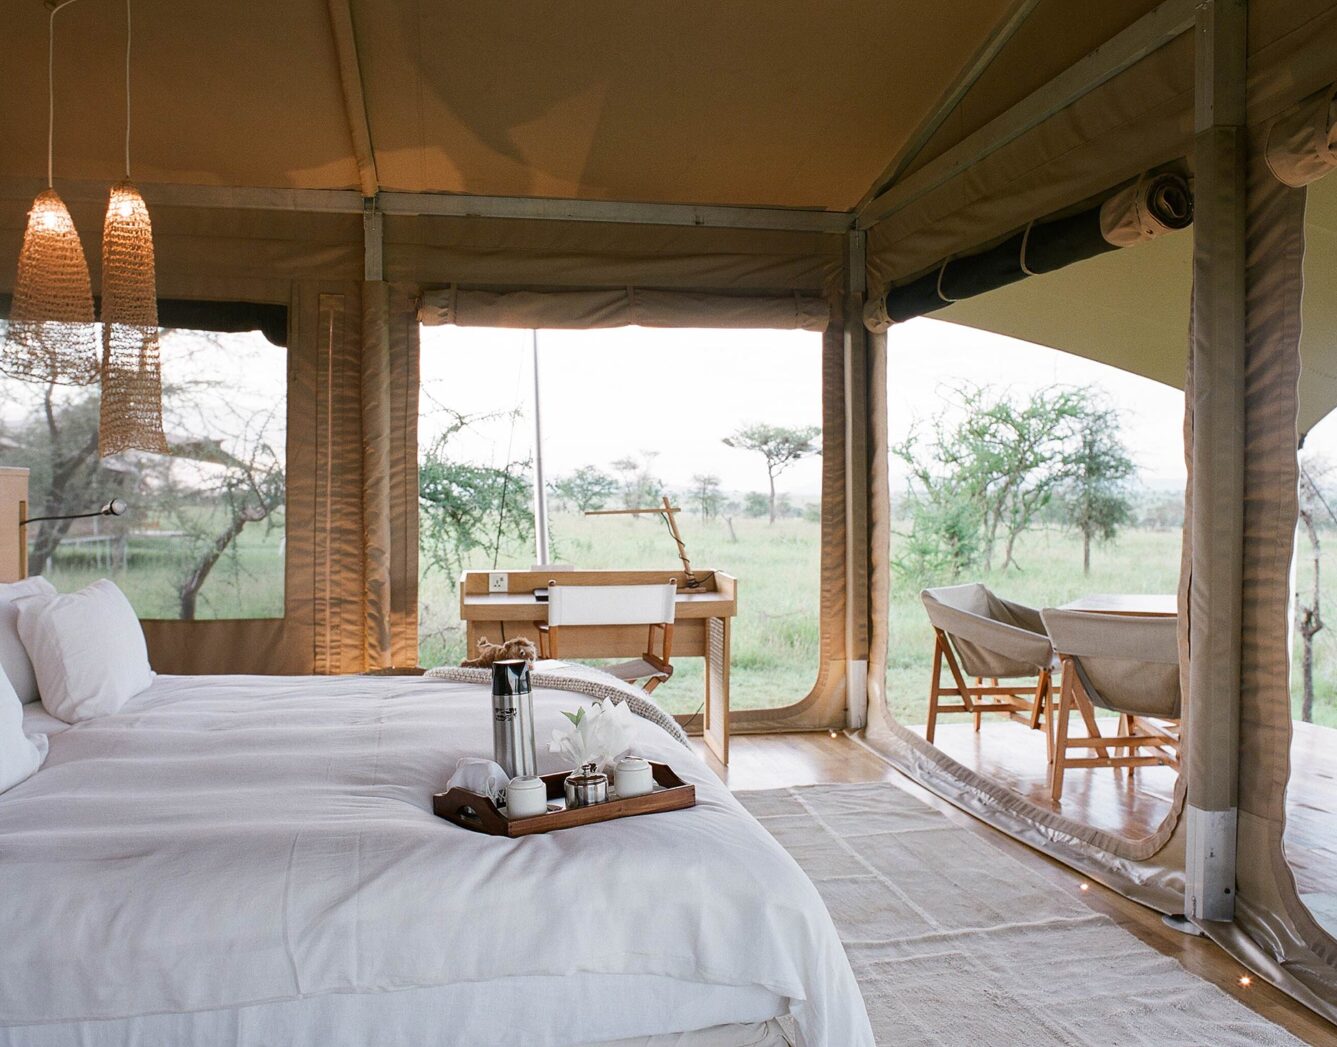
(131, 413)
(52, 337)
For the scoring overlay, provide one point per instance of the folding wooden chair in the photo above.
(979, 634)
(606, 606)
(1125, 664)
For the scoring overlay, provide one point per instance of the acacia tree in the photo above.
(466, 507)
(640, 487)
(1094, 499)
(1309, 614)
(56, 439)
(780, 446)
(706, 495)
(587, 488)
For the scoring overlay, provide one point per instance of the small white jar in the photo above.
(525, 797)
(632, 777)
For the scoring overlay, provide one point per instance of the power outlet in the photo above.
(496, 582)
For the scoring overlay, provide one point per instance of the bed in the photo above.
(253, 860)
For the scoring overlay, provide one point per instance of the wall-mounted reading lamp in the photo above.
(16, 560)
(116, 507)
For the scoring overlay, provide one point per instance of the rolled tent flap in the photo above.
(1302, 143)
(1152, 205)
(621, 307)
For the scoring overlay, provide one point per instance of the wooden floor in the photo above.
(1013, 755)
(774, 761)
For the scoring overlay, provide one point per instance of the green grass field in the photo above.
(775, 635)
(775, 641)
(246, 583)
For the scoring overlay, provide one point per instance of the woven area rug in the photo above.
(956, 943)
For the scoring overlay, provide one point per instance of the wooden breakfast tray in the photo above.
(472, 811)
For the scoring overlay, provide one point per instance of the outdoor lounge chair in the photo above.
(981, 635)
(1128, 665)
(593, 606)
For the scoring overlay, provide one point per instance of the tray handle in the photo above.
(470, 811)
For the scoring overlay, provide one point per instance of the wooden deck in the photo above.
(1013, 755)
(774, 761)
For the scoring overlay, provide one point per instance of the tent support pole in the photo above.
(951, 98)
(1149, 33)
(449, 205)
(1216, 536)
(355, 103)
(857, 553)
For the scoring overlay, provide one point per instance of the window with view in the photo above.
(628, 419)
(203, 536)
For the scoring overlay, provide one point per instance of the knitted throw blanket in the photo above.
(579, 679)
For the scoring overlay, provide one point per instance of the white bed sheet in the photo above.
(258, 855)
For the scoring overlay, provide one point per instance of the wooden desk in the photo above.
(701, 628)
(1137, 605)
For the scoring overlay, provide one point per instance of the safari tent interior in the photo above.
(267, 829)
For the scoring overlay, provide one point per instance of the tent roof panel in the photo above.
(222, 94)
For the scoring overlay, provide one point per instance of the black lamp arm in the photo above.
(113, 508)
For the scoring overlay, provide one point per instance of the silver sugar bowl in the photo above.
(585, 787)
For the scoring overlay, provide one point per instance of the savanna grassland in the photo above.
(775, 639)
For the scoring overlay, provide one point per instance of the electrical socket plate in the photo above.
(496, 582)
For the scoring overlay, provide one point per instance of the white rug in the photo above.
(957, 944)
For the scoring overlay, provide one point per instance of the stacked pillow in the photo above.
(87, 650)
(82, 653)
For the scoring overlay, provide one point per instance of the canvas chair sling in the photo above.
(1123, 664)
(604, 606)
(979, 634)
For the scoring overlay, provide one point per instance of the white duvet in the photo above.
(224, 842)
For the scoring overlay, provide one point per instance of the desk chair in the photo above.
(593, 606)
(1126, 665)
(979, 634)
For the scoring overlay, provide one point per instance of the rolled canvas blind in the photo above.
(1154, 204)
(1302, 143)
(620, 307)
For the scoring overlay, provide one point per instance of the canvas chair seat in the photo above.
(604, 606)
(1124, 664)
(980, 634)
(639, 669)
(993, 637)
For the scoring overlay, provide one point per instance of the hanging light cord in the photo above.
(56, 7)
(127, 89)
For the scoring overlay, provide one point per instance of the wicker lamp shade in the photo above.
(131, 413)
(52, 337)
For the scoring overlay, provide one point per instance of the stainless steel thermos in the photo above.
(513, 718)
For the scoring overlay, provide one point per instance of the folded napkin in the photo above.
(480, 776)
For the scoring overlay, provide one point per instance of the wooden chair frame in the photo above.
(660, 660)
(1123, 749)
(1032, 705)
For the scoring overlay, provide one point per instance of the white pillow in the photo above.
(87, 650)
(14, 660)
(19, 754)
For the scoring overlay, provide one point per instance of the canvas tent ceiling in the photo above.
(748, 103)
(1130, 308)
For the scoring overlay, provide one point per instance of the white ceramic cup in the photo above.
(526, 797)
(632, 777)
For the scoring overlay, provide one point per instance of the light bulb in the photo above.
(126, 209)
(50, 220)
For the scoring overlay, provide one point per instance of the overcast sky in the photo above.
(610, 393)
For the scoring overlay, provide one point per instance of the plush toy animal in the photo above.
(520, 647)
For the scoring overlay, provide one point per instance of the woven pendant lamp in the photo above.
(51, 334)
(131, 411)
